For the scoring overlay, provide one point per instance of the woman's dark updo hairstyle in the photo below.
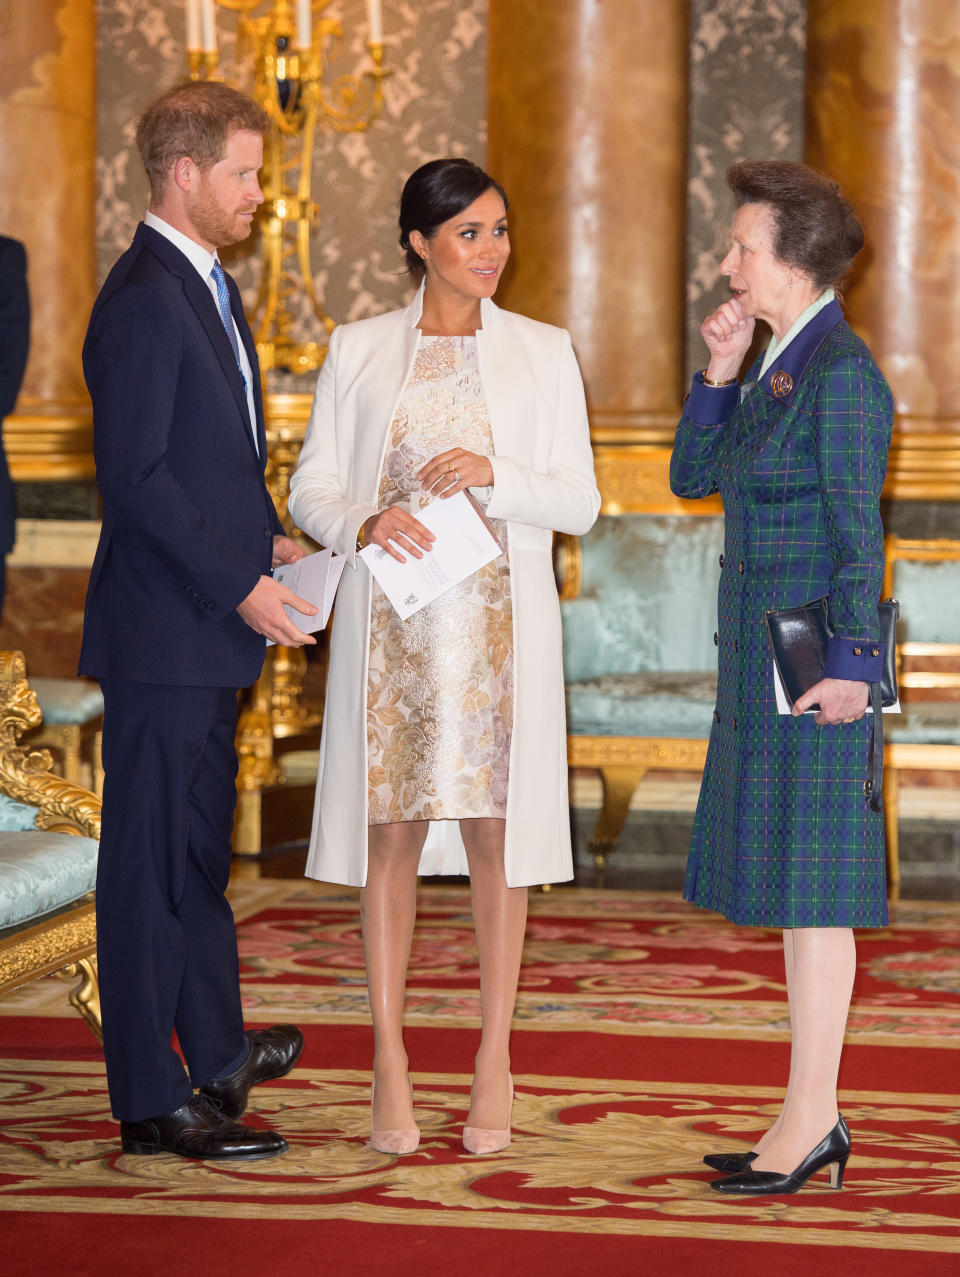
(817, 230)
(433, 194)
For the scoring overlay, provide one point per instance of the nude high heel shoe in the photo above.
(398, 1142)
(480, 1140)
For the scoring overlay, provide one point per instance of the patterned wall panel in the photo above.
(746, 98)
(746, 101)
(435, 104)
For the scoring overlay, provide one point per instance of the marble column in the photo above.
(47, 200)
(587, 109)
(883, 117)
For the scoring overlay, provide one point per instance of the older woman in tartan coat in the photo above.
(783, 834)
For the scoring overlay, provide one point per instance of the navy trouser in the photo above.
(166, 939)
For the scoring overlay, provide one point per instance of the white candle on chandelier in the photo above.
(375, 19)
(208, 24)
(193, 25)
(304, 32)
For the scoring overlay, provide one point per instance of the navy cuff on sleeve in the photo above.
(710, 405)
(858, 660)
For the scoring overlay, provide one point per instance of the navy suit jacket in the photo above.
(188, 523)
(14, 344)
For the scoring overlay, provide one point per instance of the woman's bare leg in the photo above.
(388, 907)
(821, 988)
(500, 917)
(788, 967)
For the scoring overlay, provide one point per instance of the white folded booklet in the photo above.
(315, 578)
(783, 701)
(464, 544)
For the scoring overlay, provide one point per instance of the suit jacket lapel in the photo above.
(201, 299)
(246, 337)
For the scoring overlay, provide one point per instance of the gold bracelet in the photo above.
(361, 539)
(707, 382)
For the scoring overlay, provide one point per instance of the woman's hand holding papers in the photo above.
(395, 529)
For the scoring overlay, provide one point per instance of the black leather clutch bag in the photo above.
(798, 637)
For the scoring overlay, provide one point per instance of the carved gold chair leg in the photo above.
(98, 764)
(619, 782)
(86, 996)
(891, 820)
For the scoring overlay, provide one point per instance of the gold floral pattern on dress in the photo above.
(440, 684)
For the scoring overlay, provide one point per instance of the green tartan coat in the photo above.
(783, 834)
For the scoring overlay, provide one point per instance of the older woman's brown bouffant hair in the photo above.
(817, 230)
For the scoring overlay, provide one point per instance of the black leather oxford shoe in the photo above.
(199, 1129)
(273, 1053)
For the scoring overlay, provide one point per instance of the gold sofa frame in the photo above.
(64, 940)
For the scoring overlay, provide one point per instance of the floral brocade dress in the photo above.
(440, 684)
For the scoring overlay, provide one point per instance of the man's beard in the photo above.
(216, 224)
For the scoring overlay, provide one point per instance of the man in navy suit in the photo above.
(14, 344)
(179, 603)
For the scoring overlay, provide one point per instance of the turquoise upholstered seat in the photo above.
(925, 577)
(924, 722)
(41, 872)
(648, 596)
(639, 653)
(655, 704)
(49, 835)
(68, 700)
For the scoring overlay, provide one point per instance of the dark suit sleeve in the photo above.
(132, 364)
(14, 322)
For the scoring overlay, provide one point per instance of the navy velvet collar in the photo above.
(783, 376)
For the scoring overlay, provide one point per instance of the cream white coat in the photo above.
(543, 481)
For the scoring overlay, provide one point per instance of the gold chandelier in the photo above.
(287, 41)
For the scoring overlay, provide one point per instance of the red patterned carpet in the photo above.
(647, 1033)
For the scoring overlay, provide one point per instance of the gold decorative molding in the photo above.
(634, 478)
(49, 946)
(633, 471)
(633, 751)
(49, 446)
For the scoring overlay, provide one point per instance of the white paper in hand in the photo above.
(464, 544)
(315, 578)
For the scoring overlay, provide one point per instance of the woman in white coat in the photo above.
(444, 739)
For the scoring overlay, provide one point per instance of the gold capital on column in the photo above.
(883, 118)
(47, 200)
(587, 112)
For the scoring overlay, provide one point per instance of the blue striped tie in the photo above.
(223, 302)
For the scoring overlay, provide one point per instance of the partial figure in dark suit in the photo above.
(14, 344)
(179, 601)
(784, 835)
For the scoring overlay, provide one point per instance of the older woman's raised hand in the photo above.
(728, 333)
